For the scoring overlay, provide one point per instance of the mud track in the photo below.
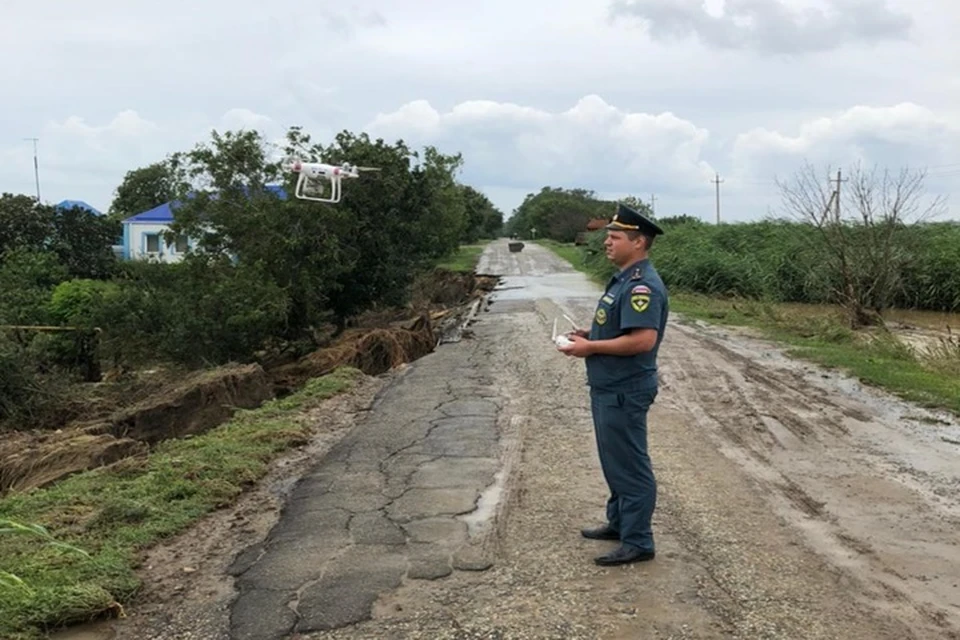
(793, 502)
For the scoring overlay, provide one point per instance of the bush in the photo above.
(30, 394)
(201, 311)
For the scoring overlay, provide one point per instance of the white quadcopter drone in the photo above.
(321, 171)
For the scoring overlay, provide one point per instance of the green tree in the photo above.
(143, 189)
(83, 242)
(558, 214)
(441, 222)
(333, 260)
(224, 202)
(80, 240)
(483, 219)
(401, 218)
(637, 204)
(27, 277)
(23, 222)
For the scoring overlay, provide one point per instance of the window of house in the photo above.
(182, 244)
(153, 243)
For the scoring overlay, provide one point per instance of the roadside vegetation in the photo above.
(108, 515)
(269, 278)
(269, 281)
(826, 287)
(465, 259)
(69, 552)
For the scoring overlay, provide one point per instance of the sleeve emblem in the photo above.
(640, 302)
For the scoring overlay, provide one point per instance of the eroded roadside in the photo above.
(793, 504)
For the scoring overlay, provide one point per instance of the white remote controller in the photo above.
(560, 340)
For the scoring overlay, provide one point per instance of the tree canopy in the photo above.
(79, 239)
(560, 214)
(142, 189)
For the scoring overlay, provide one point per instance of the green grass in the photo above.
(874, 357)
(466, 257)
(115, 512)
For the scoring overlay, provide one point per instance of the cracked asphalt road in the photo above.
(382, 506)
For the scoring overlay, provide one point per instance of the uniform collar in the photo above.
(632, 268)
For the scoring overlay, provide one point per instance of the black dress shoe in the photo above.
(601, 533)
(625, 554)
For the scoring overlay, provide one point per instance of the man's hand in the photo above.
(628, 344)
(580, 347)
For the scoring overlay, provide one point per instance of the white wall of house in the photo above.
(145, 241)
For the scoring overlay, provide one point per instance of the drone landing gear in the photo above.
(336, 188)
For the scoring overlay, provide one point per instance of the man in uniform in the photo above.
(620, 351)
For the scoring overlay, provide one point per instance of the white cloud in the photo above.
(771, 26)
(238, 118)
(85, 160)
(512, 149)
(592, 144)
(513, 85)
(901, 135)
(125, 125)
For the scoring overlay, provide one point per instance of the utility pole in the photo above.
(717, 182)
(836, 193)
(36, 166)
(653, 204)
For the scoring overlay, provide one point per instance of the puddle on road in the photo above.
(481, 517)
(94, 631)
(535, 273)
(555, 286)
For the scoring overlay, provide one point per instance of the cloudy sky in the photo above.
(629, 97)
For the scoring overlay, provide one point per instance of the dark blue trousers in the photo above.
(620, 425)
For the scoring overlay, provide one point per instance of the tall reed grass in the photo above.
(780, 261)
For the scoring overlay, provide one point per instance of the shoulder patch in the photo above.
(640, 302)
(641, 288)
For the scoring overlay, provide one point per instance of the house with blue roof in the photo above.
(143, 234)
(79, 204)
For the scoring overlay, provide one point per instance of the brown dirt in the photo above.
(373, 351)
(194, 405)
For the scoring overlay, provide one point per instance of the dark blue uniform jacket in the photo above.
(634, 298)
